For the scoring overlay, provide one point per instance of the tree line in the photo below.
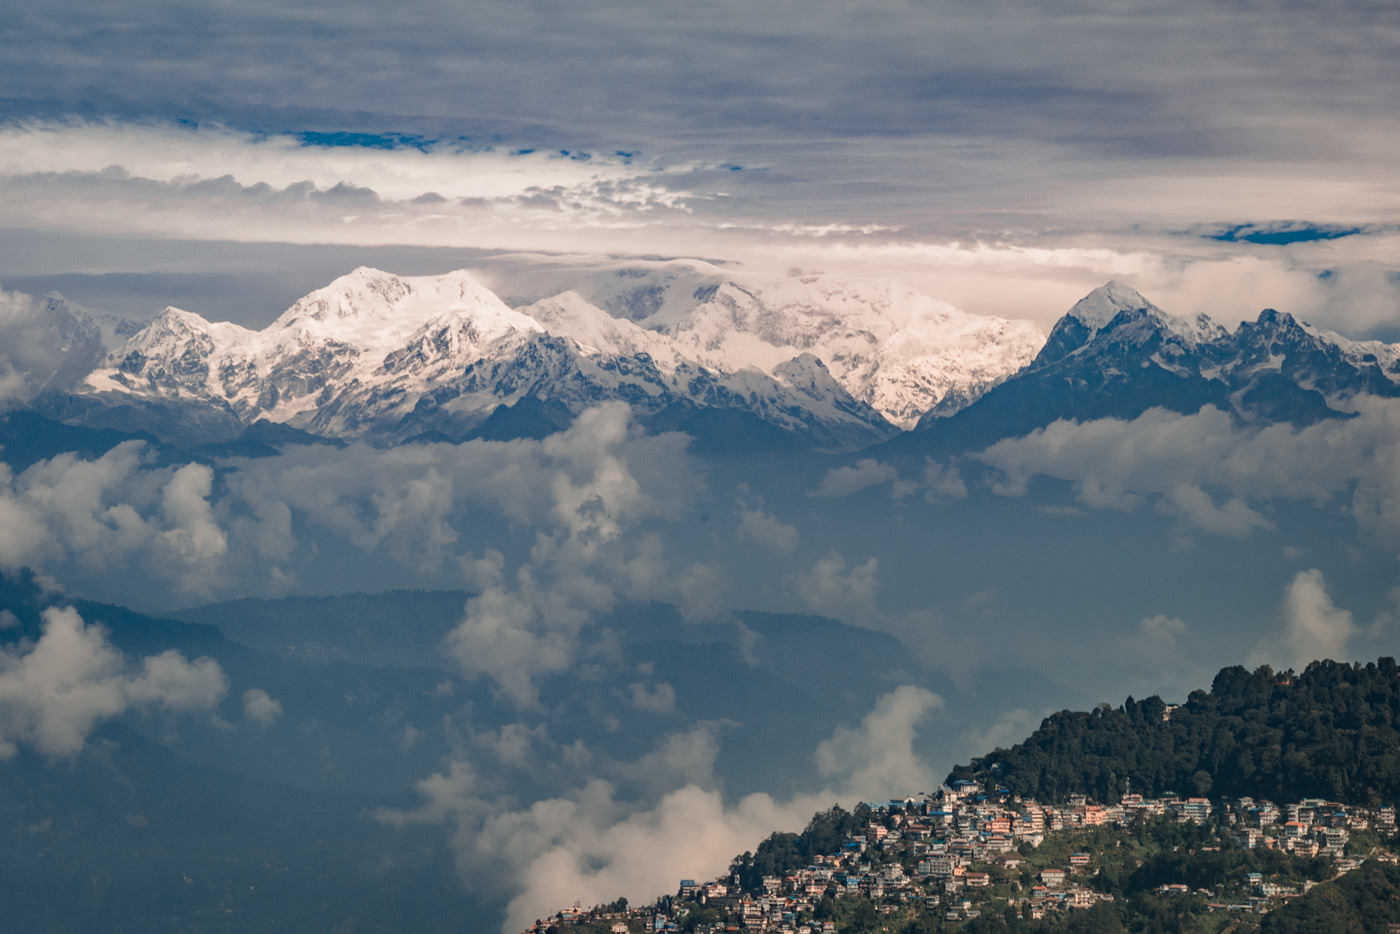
(1331, 732)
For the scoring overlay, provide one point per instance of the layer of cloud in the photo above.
(55, 692)
(767, 529)
(526, 624)
(832, 588)
(117, 511)
(594, 843)
(1071, 144)
(260, 707)
(1313, 627)
(843, 481)
(877, 758)
(1215, 476)
(43, 345)
(108, 523)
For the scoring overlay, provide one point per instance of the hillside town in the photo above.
(963, 851)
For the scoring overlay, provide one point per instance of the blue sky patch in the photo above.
(1280, 233)
(366, 140)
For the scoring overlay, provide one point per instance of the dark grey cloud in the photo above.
(670, 78)
(1082, 127)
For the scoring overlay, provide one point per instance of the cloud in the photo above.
(1234, 519)
(213, 183)
(55, 692)
(1186, 463)
(114, 512)
(1010, 728)
(192, 534)
(43, 345)
(767, 530)
(260, 707)
(943, 482)
(1160, 633)
(832, 589)
(593, 844)
(526, 625)
(843, 481)
(793, 140)
(877, 759)
(656, 698)
(1159, 655)
(1313, 627)
(579, 513)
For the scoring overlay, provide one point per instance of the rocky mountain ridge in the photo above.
(829, 363)
(377, 354)
(1116, 355)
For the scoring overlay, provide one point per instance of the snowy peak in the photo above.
(1107, 302)
(570, 315)
(1116, 313)
(889, 346)
(375, 354)
(176, 333)
(1121, 308)
(376, 311)
(363, 293)
(1115, 355)
(1277, 347)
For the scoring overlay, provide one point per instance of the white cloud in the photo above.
(55, 692)
(192, 534)
(593, 845)
(42, 346)
(1313, 627)
(1157, 655)
(104, 524)
(525, 626)
(843, 481)
(656, 698)
(112, 513)
(1234, 519)
(185, 155)
(877, 759)
(1160, 633)
(1010, 728)
(261, 707)
(831, 588)
(1185, 462)
(943, 482)
(767, 530)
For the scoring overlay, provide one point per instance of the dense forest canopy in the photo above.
(1328, 732)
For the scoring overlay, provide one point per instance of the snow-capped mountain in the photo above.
(48, 343)
(378, 354)
(836, 364)
(395, 357)
(1115, 354)
(900, 352)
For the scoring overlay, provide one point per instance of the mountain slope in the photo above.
(1115, 355)
(1326, 732)
(892, 348)
(373, 354)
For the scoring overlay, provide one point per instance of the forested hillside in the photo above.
(1328, 732)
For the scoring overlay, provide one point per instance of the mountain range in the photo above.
(1116, 355)
(824, 362)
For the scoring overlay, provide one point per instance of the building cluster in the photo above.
(964, 850)
(1308, 828)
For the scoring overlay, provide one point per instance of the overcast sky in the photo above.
(1003, 157)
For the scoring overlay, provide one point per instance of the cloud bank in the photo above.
(54, 692)
(593, 843)
(1207, 472)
